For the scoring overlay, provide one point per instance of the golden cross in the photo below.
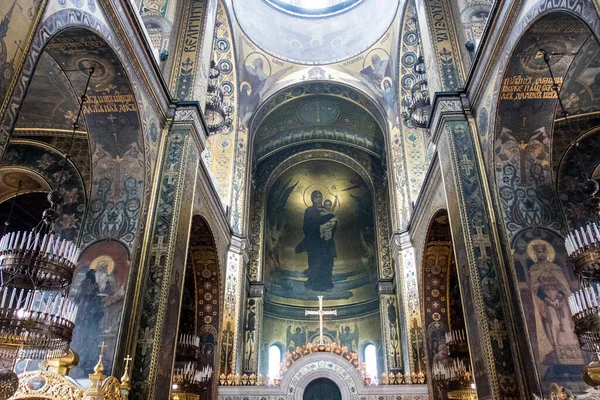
(102, 347)
(320, 313)
(127, 359)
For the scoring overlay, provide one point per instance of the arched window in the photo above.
(274, 361)
(371, 360)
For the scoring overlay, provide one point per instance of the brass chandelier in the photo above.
(583, 248)
(37, 317)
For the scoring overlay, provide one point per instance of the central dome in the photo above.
(313, 8)
(314, 32)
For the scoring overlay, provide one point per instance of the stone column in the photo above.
(190, 62)
(496, 355)
(410, 312)
(442, 49)
(253, 328)
(164, 261)
(390, 331)
(233, 312)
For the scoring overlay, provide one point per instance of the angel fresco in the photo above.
(256, 75)
(276, 223)
(348, 338)
(296, 338)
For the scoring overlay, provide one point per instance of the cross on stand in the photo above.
(102, 346)
(320, 313)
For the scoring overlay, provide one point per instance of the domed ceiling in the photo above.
(314, 32)
(318, 118)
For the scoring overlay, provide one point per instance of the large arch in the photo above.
(65, 47)
(200, 309)
(531, 135)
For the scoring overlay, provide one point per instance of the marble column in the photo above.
(496, 354)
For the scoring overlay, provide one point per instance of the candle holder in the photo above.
(583, 249)
(455, 380)
(188, 347)
(456, 341)
(36, 316)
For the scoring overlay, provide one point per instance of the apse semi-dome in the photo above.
(314, 31)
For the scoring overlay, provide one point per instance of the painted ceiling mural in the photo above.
(312, 118)
(118, 158)
(324, 40)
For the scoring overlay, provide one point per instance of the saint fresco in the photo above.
(99, 290)
(320, 236)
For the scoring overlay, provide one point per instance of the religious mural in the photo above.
(319, 236)
(98, 289)
(297, 331)
(47, 163)
(546, 280)
(523, 163)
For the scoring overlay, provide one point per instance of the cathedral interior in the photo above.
(299, 199)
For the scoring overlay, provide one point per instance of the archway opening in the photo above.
(320, 221)
(197, 342)
(104, 172)
(322, 389)
(446, 338)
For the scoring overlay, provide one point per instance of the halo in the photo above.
(109, 261)
(254, 55)
(384, 55)
(386, 79)
(324, 191)
(549, 249)
(246, 84)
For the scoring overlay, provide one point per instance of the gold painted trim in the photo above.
(495, 236)
(133, 331)
(68, 131)
(583, 115)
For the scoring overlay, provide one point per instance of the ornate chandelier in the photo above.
(416, 105)
(36, 269)
(583, 248)
(455, 380)
(219, 113)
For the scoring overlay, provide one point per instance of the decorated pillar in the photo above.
(164, 263)
(233, 311)
(407, 285)
(190, 61)
(390, 331)
(252, 328)
(442, 49)
(496, 357)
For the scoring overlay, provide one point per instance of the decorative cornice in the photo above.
(386, 286)
(447, 106)
(256, 290)
(188, 114)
